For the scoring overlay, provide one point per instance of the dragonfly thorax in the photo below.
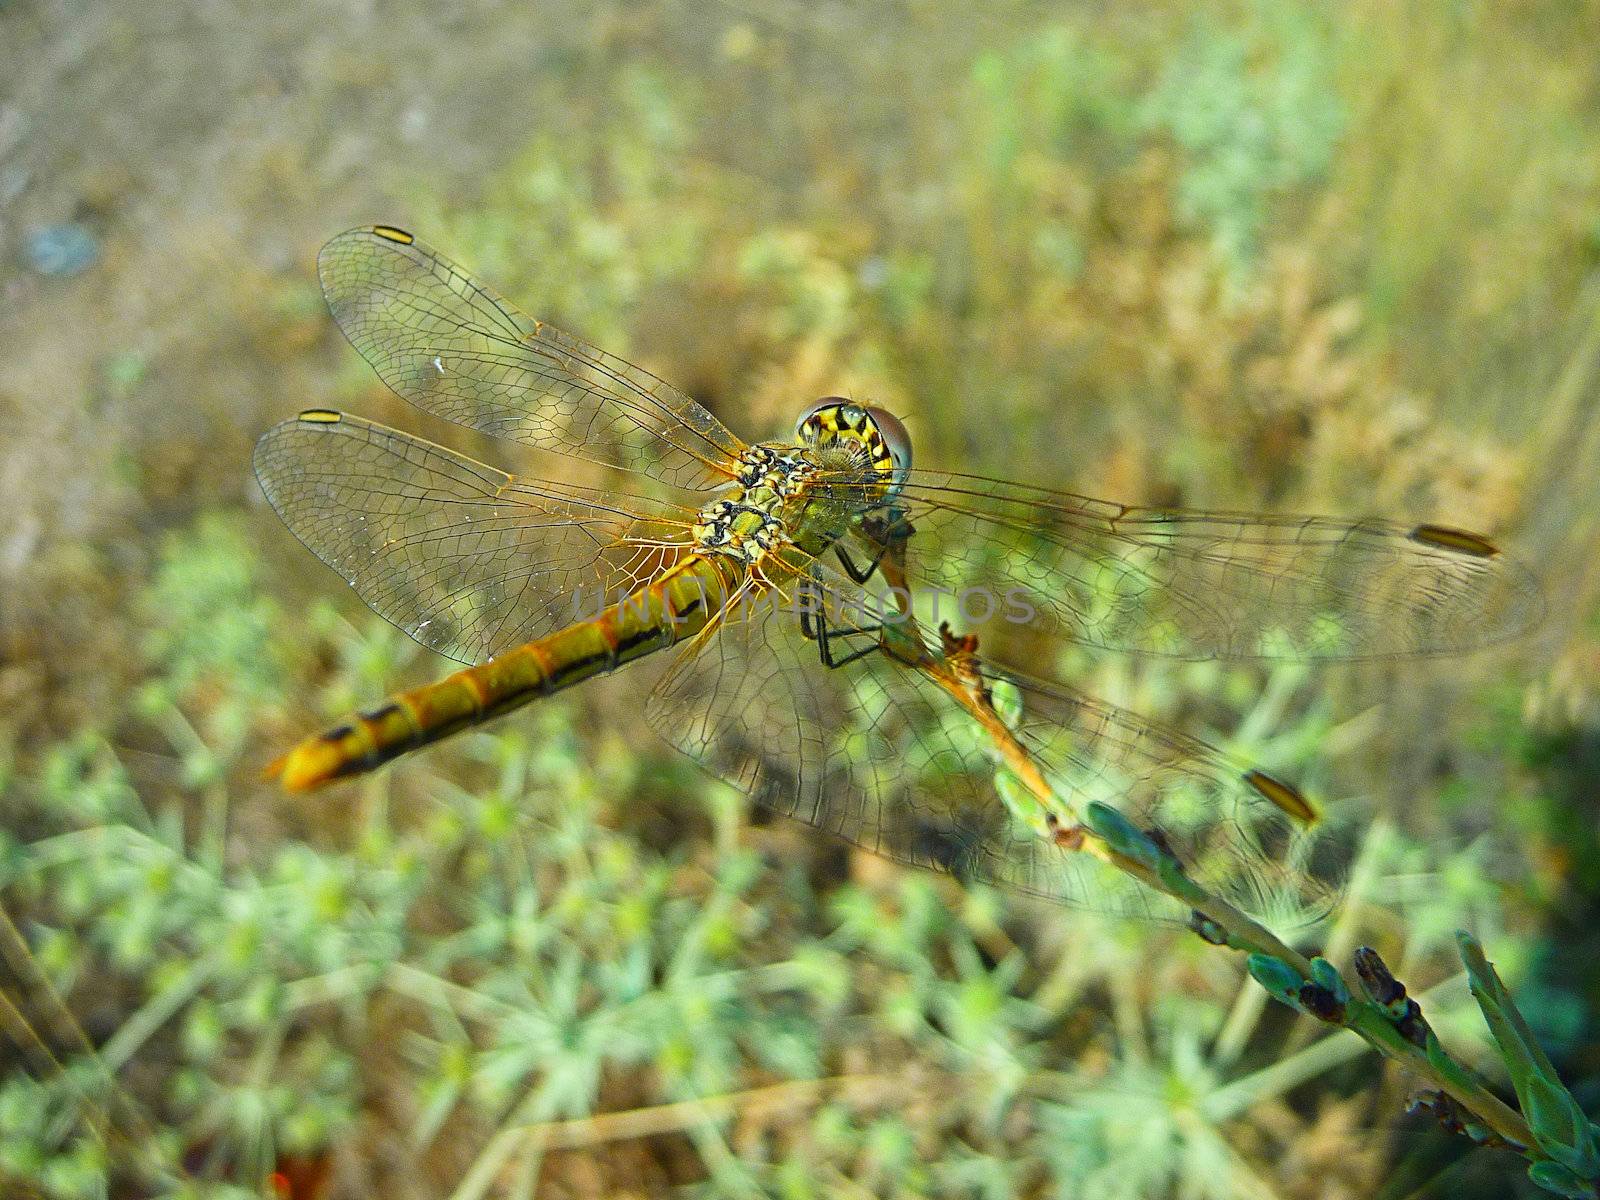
(745, 532)
(748, 521)
(767, 466)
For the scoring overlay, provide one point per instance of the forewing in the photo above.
(451, 346)
(878, 753)
(1194, 584)
(465, 558)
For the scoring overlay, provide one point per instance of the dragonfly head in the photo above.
(834, 421)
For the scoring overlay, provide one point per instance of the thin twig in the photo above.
(681, 1115)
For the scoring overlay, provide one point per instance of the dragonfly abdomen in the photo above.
(674, 606)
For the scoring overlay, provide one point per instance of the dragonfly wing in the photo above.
(465, 558)
(1240, 833)
(877, 753)
(451, 346)
(1194, 584)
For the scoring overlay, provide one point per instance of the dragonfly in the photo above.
(793, 586)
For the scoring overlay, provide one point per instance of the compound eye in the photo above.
(822, 405)
(896, 436)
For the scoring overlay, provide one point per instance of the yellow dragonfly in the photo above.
(794, 582)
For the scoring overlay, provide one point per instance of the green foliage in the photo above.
(588, 216)
(1255, 114)
(1568, 1160)
(1029, 112)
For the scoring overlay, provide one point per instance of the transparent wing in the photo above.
(879, 754)
(1194, 584)
(451, 346)
(465, 558)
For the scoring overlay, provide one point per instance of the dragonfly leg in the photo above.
(886, 529)
(814, 627)
(859, 574)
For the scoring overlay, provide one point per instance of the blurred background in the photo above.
(1226, 254)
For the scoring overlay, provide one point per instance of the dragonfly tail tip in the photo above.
(292, 772)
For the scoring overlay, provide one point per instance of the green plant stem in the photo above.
(1360, 1016)
(954, 669)
(155, 1013)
